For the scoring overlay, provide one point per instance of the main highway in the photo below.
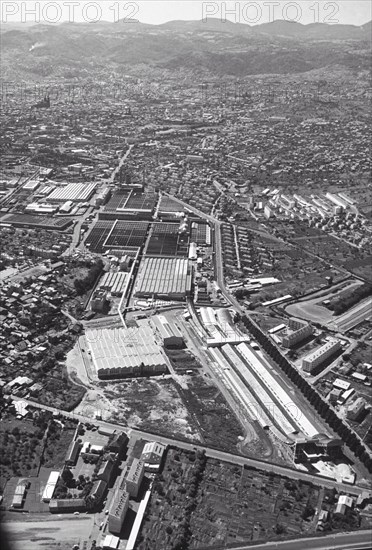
(212, 453)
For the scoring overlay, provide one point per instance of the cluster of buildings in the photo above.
(129, 484)
(25, 339)
(334, 213)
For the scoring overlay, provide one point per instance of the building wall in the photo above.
(310, 363)
(135, 477)
(118, 512)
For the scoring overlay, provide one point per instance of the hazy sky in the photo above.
(356, 12)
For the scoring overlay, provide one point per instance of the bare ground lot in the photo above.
(153, 405)
(48, 534)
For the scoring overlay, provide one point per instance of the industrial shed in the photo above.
(120, 352)
(164, 278)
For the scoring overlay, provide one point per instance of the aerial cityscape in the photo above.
(185, 276)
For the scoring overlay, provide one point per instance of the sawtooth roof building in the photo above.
(120, 352)
(164, 278)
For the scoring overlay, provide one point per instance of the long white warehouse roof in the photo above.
(235, 386)
(277, 391)
(259, 390)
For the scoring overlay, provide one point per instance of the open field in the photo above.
(311, 311)
(254, 254)
(51, 534)
(154, 405)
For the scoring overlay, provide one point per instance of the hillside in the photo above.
(34, 52)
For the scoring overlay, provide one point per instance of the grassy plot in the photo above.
(21, 448)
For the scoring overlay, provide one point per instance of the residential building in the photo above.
(317, 357)
(356, 409)
(135, 477)
(118, 510)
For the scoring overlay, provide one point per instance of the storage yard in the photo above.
(164, 278)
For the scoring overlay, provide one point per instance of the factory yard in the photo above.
(47, 532)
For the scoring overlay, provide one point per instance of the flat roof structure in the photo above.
(124, 352)
(164, 277)
(28, 220)
(118, 510)
(50, 486)
(340, 384)
(110, 542)
(318, 353)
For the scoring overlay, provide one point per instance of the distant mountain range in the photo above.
(215, 47)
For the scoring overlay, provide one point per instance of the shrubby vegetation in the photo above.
(342, 303)
(84, 285)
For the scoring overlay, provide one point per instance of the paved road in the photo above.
(340, 541)
(228, 457)
(196, 211)
(121, 162)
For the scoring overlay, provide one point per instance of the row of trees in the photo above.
(342, 303)
(345, 433)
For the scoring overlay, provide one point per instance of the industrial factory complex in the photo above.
(121, 352)
(164, 278)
